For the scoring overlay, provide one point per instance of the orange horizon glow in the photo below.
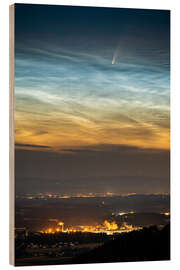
(108, 227)
(82, 132)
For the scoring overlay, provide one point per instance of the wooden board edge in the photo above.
(11, 137)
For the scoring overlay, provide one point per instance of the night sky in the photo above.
(92, 99)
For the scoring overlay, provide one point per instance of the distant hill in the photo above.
(149, 244)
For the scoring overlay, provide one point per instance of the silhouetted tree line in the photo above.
(149, 244)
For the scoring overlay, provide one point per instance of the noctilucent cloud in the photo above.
(92, 80)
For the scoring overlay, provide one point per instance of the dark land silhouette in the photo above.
(148, 244)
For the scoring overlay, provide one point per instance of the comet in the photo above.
(115, 56)
(113, 61)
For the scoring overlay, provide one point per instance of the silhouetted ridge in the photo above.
(149, 244)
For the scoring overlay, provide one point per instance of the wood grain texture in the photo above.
(11, 137)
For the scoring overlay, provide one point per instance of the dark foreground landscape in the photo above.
(108, 229)
(148, 244)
